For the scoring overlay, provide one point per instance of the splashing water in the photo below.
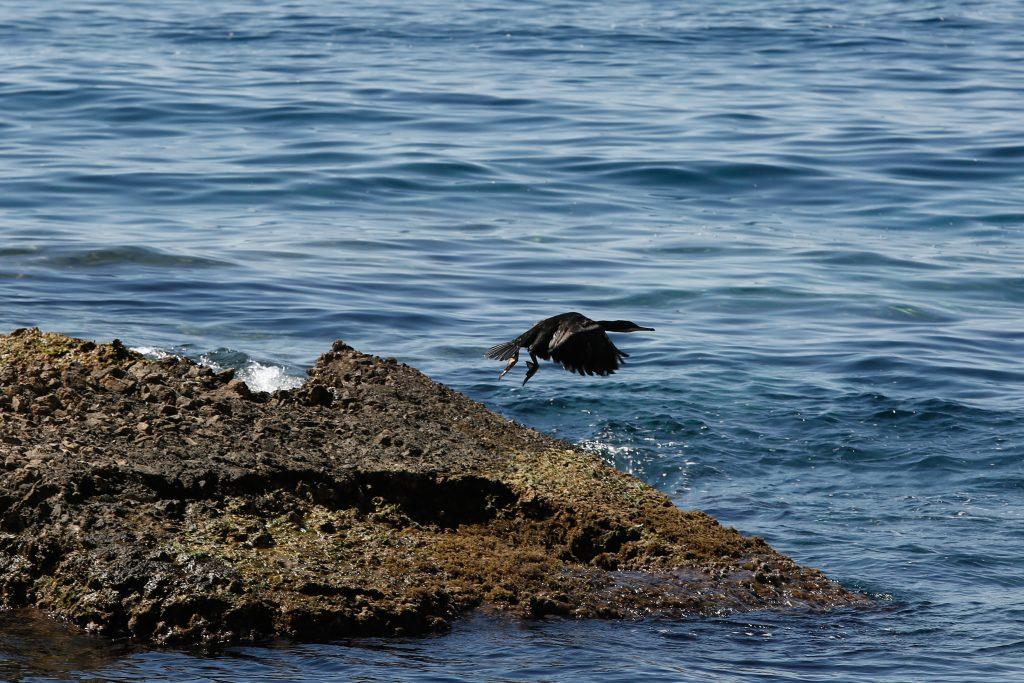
(258, 376)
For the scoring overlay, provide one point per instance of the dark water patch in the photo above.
(463, 99)
(319, 158)
(1008, 288)
(840, 257)
(705, 176)
(125, 256)
(736, 117)
(442, 169)
(309, 115)
(1010, 219)
(953, 169)
(1001, 152)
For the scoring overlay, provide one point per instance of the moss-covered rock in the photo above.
(159, 500)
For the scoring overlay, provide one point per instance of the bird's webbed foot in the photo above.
(531, 369)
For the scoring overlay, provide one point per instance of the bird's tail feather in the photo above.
(502, 351)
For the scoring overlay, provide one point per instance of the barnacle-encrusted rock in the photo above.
(158, 500)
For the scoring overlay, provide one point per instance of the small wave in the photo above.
(464, 99)
(603, 448)
(866, 259)
(955, 170)
(1010, 151)
(323, 158)
(128, 255)
(444, 169)
(269, 378)
(258, 376)
(624, 458)
(706, 174)
(151, 352)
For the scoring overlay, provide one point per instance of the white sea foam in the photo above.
(208, 362)
(261, 377)
(150, 352)
(621, 457)
(258, 376)
(603, 448)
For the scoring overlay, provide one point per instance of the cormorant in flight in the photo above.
(574, 340)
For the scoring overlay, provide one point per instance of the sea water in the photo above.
(819, 206)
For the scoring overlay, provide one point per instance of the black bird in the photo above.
(574, 340)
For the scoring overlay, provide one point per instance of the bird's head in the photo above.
(622, 326)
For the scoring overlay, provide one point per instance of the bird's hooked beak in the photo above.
(637, 328)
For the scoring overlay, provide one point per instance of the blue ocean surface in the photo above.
(818, 204)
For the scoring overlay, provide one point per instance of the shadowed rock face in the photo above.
(161, 501)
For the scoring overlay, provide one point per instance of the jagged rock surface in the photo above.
(158, 500)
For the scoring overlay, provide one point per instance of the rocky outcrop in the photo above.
(158, 500)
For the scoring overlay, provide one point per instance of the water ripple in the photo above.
(818, 206)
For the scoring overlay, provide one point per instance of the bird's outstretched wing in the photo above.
(573, 324)
(587, 351)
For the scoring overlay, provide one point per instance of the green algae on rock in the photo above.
(160, 501)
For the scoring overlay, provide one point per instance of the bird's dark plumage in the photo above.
(572, 340)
